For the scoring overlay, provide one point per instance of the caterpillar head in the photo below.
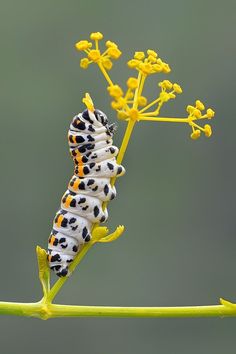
(96, 116)
(102, 118)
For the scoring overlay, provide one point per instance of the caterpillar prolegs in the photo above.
(94, 156)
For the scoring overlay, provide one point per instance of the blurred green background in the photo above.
(177, 199)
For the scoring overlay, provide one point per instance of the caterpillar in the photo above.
(94, 155)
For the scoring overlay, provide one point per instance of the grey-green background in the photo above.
(177, 199)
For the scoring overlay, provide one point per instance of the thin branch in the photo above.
(47, 311)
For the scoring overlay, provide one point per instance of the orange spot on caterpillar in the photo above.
(52, 240)
(68, 200)
(81, 171)
(59, 220)
(76, 184)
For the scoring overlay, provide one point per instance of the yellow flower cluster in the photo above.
(148, 63)
(195, 113)
(132, 105)
(173, 89)
(94, 54)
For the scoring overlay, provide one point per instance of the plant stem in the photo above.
(46, 311)
(60, 282)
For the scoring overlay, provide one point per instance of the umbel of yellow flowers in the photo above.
(131, 104)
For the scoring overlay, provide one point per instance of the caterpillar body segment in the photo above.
(94, 155)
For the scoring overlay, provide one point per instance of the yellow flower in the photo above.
(164, 96)
(152, 53)
(84, 63)
(132, 83)
(165, 68)
(146, 68)
(107, 63)
(114, 52)
(139, 55)
(210, 113)
(190, 109)
(197, 113)
(177, 88)
(142, 101)
(152, 59)
(200, 105)
(167, 84)
(96, 36)
(83, 45)
(196, 134)
(133, 63)
(207, 130)
(159, 61)
(94, 55)
(110, 44)
(115, 91)
(157, 68)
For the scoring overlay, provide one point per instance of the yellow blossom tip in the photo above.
(83, 45)
(166, 68)
(107, 63)
(142, 101)
(145, 68)
(96, 36)
(87, 100)
(114, 52)
(139, 55)
(84, 63)
(190, 109)
(132, 83)
(152, 59)
(207, 130)
(177, 88)
(133, 63)
(115, 91)
(199, 105)
(195, 134)
(110, 44)
(152, 53)
(167, 84)
(210, 113)
(157, 68)
(197, 113)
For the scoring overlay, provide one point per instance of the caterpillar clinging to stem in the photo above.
(94, 156)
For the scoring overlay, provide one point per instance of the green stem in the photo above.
(46, 311)
(60, 282)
